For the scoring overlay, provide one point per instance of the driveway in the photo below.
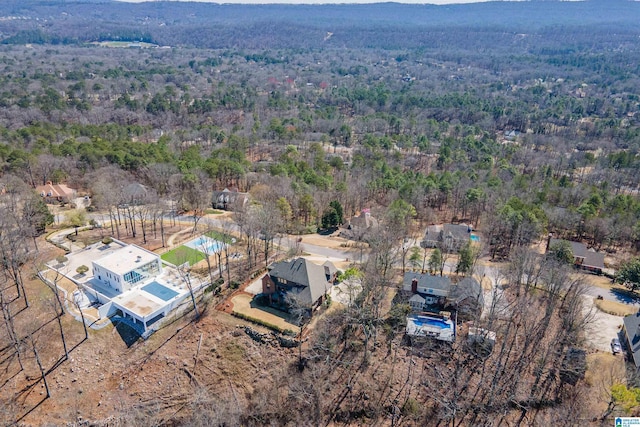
(602, 328)
(614, 294)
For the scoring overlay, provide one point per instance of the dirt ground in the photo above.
(603, 371)
(108, 374)
(331, 241)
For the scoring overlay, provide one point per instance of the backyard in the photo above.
(196, 250)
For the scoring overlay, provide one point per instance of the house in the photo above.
(128, 281)
(434, 293)
(362, 221)
(584, 258)
(426, 290)
(466, 298)
(447, 237)
(56, 193)
(135, 194)
(358, 226)
(298, 279)
(631, 336)
(123, 269)
(229, 200)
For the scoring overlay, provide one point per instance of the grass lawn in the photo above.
(213, 212)
(243, 304)
(221, 237)
(182, 254)
(614, 308)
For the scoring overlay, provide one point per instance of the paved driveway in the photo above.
(602, 328)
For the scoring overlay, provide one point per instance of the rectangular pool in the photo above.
(204, 244)
(159, 291)
(428, 326)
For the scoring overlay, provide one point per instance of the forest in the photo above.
(520, 119)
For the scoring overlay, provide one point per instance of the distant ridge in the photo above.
(214, 25)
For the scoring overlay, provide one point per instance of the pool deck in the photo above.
(423, 325)
(135, 301)
(138, 303)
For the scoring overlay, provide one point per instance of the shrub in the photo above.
(62, 259)
(327, 301)
(82, 269)
(107, 240)
(259, 322)
(348, 274)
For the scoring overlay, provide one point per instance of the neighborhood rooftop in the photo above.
(314, 277)
(585, 257)
(122, 260)
(632, 332)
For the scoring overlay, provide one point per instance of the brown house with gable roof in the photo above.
(56, 193)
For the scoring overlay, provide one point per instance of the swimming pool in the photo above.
(475, 238)
(434, 327)
(160, 291)
(205, 244)
(420, 321)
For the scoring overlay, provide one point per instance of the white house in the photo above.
(124, 268)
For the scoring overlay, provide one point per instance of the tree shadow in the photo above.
(327, 231)
(625, 296)
(31, 410)
(7, 379)
(58, 362)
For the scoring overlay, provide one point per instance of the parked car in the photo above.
(615, 346)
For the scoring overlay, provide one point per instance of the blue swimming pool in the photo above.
(429, 321)
(160, 291)
(205, 244)
(475, 238)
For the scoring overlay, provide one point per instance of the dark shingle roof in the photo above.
(439, 284)
(459, 233)
(591, 258)
(228, 197)
(632, 331)
(306, 274)
(467, 288)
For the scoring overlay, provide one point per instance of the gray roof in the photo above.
(417, 298)
(427, 284)
(229, 197)
(632, 332)
(439, 233)
(312, 277)
(135, 193)
(590, 257)
(364, 220)
(467, 288)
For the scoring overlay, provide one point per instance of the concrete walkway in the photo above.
(59, 238)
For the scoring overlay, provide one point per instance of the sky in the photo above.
(439, 2)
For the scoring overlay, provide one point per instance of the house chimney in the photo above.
(414, 285)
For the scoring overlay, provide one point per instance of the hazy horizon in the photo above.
(432, 2)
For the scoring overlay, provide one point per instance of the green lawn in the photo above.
(221, 237)
(213, 211)
(182, 254)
